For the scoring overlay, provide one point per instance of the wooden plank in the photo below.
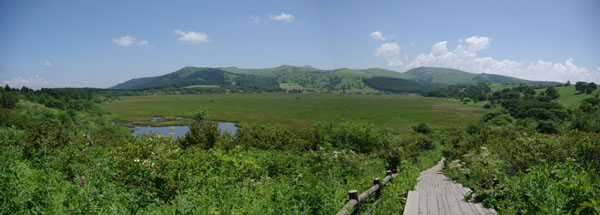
(437, 194)
(442, 204)
(422, 203)
(412, 204)
(452, 204)
(432, 205)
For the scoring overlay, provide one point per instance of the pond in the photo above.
(179, 131)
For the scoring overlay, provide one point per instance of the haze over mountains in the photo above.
(309, 79)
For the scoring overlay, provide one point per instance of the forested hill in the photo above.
(282, 78)
(201, 77)
(454, 77)
(308, 79)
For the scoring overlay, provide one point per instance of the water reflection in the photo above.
(179, 131)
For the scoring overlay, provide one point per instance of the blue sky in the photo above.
(102, 43)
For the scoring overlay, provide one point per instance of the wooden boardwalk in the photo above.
(437, 194)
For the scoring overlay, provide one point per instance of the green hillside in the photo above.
(194, 76)
(307, 79)
(282, 78)
(449, 77)
(395, 85)
(569, 97)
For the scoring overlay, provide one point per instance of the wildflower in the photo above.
(95, 192)
(172, 187)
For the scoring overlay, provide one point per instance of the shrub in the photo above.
(547, 126)
(422, 128)
(203, 133)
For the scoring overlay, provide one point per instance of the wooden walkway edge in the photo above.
(437, 194)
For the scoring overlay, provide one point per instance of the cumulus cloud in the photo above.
(439, 48)
(476, 43)
(377, 35)
(283, 17)
(51, 65)
(192, 37)
(388, 49)
(391, 52)
(465, 57)
(127, 41)
(35, 82)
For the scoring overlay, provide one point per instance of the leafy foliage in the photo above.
(395, 85)
(583, 87)
(55, 162)
(422, 128)
(518, 168)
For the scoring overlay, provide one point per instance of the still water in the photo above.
(179, 131)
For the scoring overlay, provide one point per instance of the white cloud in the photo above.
(391, 51)
(35, 82)
(124, 40)
(127, 41)
(439, 48)
(477, 43)
(388, 49)
(283, 17)
(192, 37)
(50, 64)
(465, 57)
(377, 35)
(395, 61)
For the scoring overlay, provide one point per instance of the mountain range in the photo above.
(309, 79)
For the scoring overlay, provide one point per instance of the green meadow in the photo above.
(397, 112)
(569, 97)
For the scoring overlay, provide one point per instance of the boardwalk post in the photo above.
(353, 203)
(353, 194)
(377, 181)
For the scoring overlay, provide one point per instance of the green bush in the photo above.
(61, 161)
(202, 133)
(422, 128)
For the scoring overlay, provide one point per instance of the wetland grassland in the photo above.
(396, 112)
